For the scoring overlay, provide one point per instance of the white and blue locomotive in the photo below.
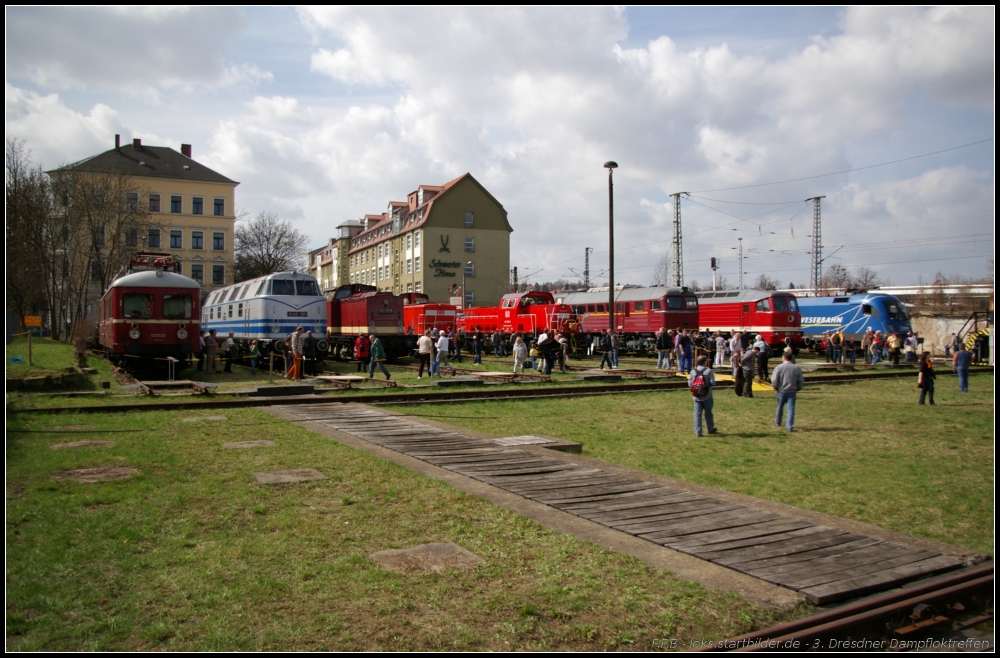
(855, 314)
(267, 309)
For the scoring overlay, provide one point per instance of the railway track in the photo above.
(927, 615)
(439, 396)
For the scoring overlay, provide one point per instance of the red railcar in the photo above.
(639, 313)
(148, 316)
(356, 310)
(773, 315)
(419, 314)
(521, 312)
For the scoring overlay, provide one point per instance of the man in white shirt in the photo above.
(442, 355)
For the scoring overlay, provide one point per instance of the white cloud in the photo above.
(73, 47)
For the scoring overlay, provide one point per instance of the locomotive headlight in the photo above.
(182, 334)
(134, 334)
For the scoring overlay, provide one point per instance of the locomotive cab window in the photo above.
(675, 302)
(137, 306)
(307, 288)
(177, 307)
(868, 310)
(282, 287)
(639, 306)
(780, 304)
(896, 312)
(764, 305)
(655, 305)
(691, 302)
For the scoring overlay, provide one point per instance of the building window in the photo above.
(176, 239)
(95, 271)
(154, 203)
(219, 274)
(470, 244)
(416, 264)
(409, 266)
(99, 236)
(470, 269)
(409, 241)
(175, 203)
(409, 287)
(219, 241)
(416, 239)
(132, 237)
(418, 287)
(469, 221)
(197, 239)
(197, 205)
(470, 297)
(220, 207)
(132, 201)
(153, 237)
(198, 273)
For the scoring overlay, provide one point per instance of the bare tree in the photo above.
(866, 278)
(662, 274)
(765, 282)
(837, 277)
(267, 244)
(28, 211)
(99, 224)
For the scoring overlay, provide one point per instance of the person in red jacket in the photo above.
(362, 350)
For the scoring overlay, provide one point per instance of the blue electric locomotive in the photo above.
(267, 309)
(852, 313)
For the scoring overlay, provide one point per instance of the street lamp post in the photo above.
(611, 165)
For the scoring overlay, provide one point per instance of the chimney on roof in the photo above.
(118, 143)
(186, 150)
(137, 144)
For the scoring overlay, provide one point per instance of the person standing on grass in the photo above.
(229, 349)
(520, 355)
(211, 351)
(749, 362)
(425, 347)
(926, 378)
(960, 363)
(701, 381)
(297, 347)
(787, 381)
(253, 356)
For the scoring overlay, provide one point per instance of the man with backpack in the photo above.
(702, 381)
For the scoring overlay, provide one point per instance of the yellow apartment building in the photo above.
(190, 207)
(439, 238)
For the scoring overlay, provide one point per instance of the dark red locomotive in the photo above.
(359, 309)
(639, 313)
(150, 314)
(773, 315)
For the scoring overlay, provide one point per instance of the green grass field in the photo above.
(191, 554)
(863, 451)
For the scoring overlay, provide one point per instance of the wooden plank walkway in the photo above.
(824, 564)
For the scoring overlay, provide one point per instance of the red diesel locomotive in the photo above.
(639, 313)
(520, 312)
(773, 315)
(419, 314)
(359, 309)
(150, 314)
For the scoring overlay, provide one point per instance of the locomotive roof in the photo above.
(625, 295)
(724, 296)
(154, 279)
(858, 298)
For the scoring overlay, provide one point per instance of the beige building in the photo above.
(438, 238)
(190, 207)
(329, 263)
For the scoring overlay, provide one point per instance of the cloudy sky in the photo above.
(325, 114)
